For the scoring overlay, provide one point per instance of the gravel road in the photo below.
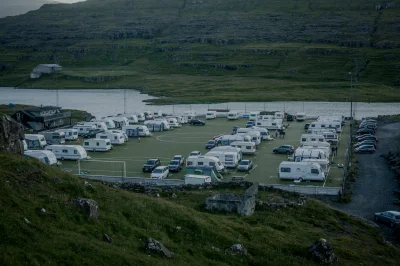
(373, 190)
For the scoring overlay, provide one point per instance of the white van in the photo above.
(173, 122)
(211, 115)
(84, 129)
(233, 115)
(136, 131)
(97, 145)
(301, 171)
(324, 163)
(226, 140)
(35, 141)
(321, 125)
(109, 122)
(68, 152)
(99, 125)
(300, 117)
(46, 157)
(269, 124)
(253, 116)
(300, 154)
(263, 132)
(70, 133)
(245, 147)
(205, 160)
(197, 179)
(115, 138)
(227, 158)
(54, 137)
(311, 138)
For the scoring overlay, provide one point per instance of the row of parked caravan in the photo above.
(311, 160)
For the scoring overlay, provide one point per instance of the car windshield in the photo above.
(174, 163)
(177, 158)
(210, 142)
(150, 162)
(244, 162)
(157, 171)
(397, 217)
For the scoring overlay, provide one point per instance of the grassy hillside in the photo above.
(207, 51)
(64, 235)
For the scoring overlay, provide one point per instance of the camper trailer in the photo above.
(301, 171)
(115, 138)
(230, 148)
(119, 131)
(300, 117)
(97, 144)
(321, 125)
(132, 119)
(279, 115)
(178, 118)
(245, 147)
(227, 158)
(205, 160)
(109, 122)
(155, 125)
(46, 157)
(255, 135)
(68, 152)
(226, 140)
(99, 125)
(70, 133)
(148, 115)
(330, 136)
(54, 137)
(319, 146)
(324, 163)
(311, 138)
(211, 115)
(300, 154)
(35, 141)
(173, 122)
(84, 129)
(253, 116)
(233, 115)
(136, 131)
(119, 121)
(141, 117)
(197, 179)
(269, 124)
(263, 132)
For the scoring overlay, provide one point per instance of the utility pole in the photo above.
(124, 101)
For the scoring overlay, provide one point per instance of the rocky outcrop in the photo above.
(236, 250)
(154, 246)
(322, 251)
(11, 135)
(88, 206)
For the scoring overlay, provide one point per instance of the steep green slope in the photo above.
(64, 235)
(205, 51)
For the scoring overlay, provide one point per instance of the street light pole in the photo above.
(351, 109)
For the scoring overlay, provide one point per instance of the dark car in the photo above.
(391, 218)
(368, 127)
(92, 133)
(150, 165)
(364, 131)
(179, 158)
(365, 142)
(174, 166)
(306, 126)
(211, 144)
(251, 123)
(365, 149)
(287, 149)
(366, 137)
(289, 117)
(196, 122)
(245, 165)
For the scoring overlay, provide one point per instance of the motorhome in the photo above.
(141, 117)
(68, 152)
(233, 115)
(148, 115)
(54, 137)
(254, 116)
(269, 124)
(301, 171)
(197, 179)
(35, 141)
(46, 157)
(99, 125)
(211, 115)
(255, 135)
(109, 122)
(97, 144)
(324, 163)
(70, 133)
(84, 129)
(300, 117)
(311, 138)
(263, 132)
(321, 125)
(205, 160)
(300, 154)
(155, 125)
(232, 149)
(173, 122)
(245, 147)
(226, 140)
(227, 158)
(136, 131)
(114, 137)
(119, 121)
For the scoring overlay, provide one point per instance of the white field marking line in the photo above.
(253, 169)
(245, 176)
(271, 176)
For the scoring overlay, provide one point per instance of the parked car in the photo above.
(196, 122)
(287, 149)
(150, 165)
(195, 153)
(306, 126)
(211, 144)
(364, 131)
(161, 172)
(365, 149)
(245, 165)
(391, 218)
(179, 158)
(289, 117)
(369, 127)
(250, 123)
(92, 133)
(365, 142)
(174, 166)
(366, 137)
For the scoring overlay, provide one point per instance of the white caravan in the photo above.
(84, 129)
(232, 149)
(68, 152)
(311, 138)
(46, 157)
(97, 145)
(324, 163)
(136, 131)
(190, 114)
(148, 115)
(120, 132)
(245, 147)
(141, 117)
(269, 124)
(317, 146)
(54, 137)
(179, 119)
(119, 121)
(263, 132)
(133, 119)
(227, 158)
(211, 115)
(330, 136)
(99, 125)
(226, 140)
(70, 133)
(197, 179)
(157, 125)
(253, 116)
(173, 122)
(322, 125)
(300, 117)
(279, 115)
(205, 160)
(233, 115)
(115, 138)
(254, 134)
(300, 154)
(35, 141)
(301, 171)
(157, 114)
(109, 122)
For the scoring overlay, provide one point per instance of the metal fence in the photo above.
(308, 190)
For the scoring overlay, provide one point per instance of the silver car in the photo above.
(245, 165)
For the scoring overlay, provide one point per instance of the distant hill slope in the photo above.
(194, 50)
(62, 234)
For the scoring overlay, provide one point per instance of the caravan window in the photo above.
(108, 143)
(303, 139)
(258, 124)
(97, 144)
(312, 125)
(200, 163)
(64, 151)
(322, 125)
(189, 163)
(80, 129)
(313, 139)
(211, 163)
(75, 133)
(321, 140)
(55, 137)
(248, 147)
(86, 143)
(314, 171)
(274, 124)
(228, 158)
(75, 152)
(103, 137)
(285, 169)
